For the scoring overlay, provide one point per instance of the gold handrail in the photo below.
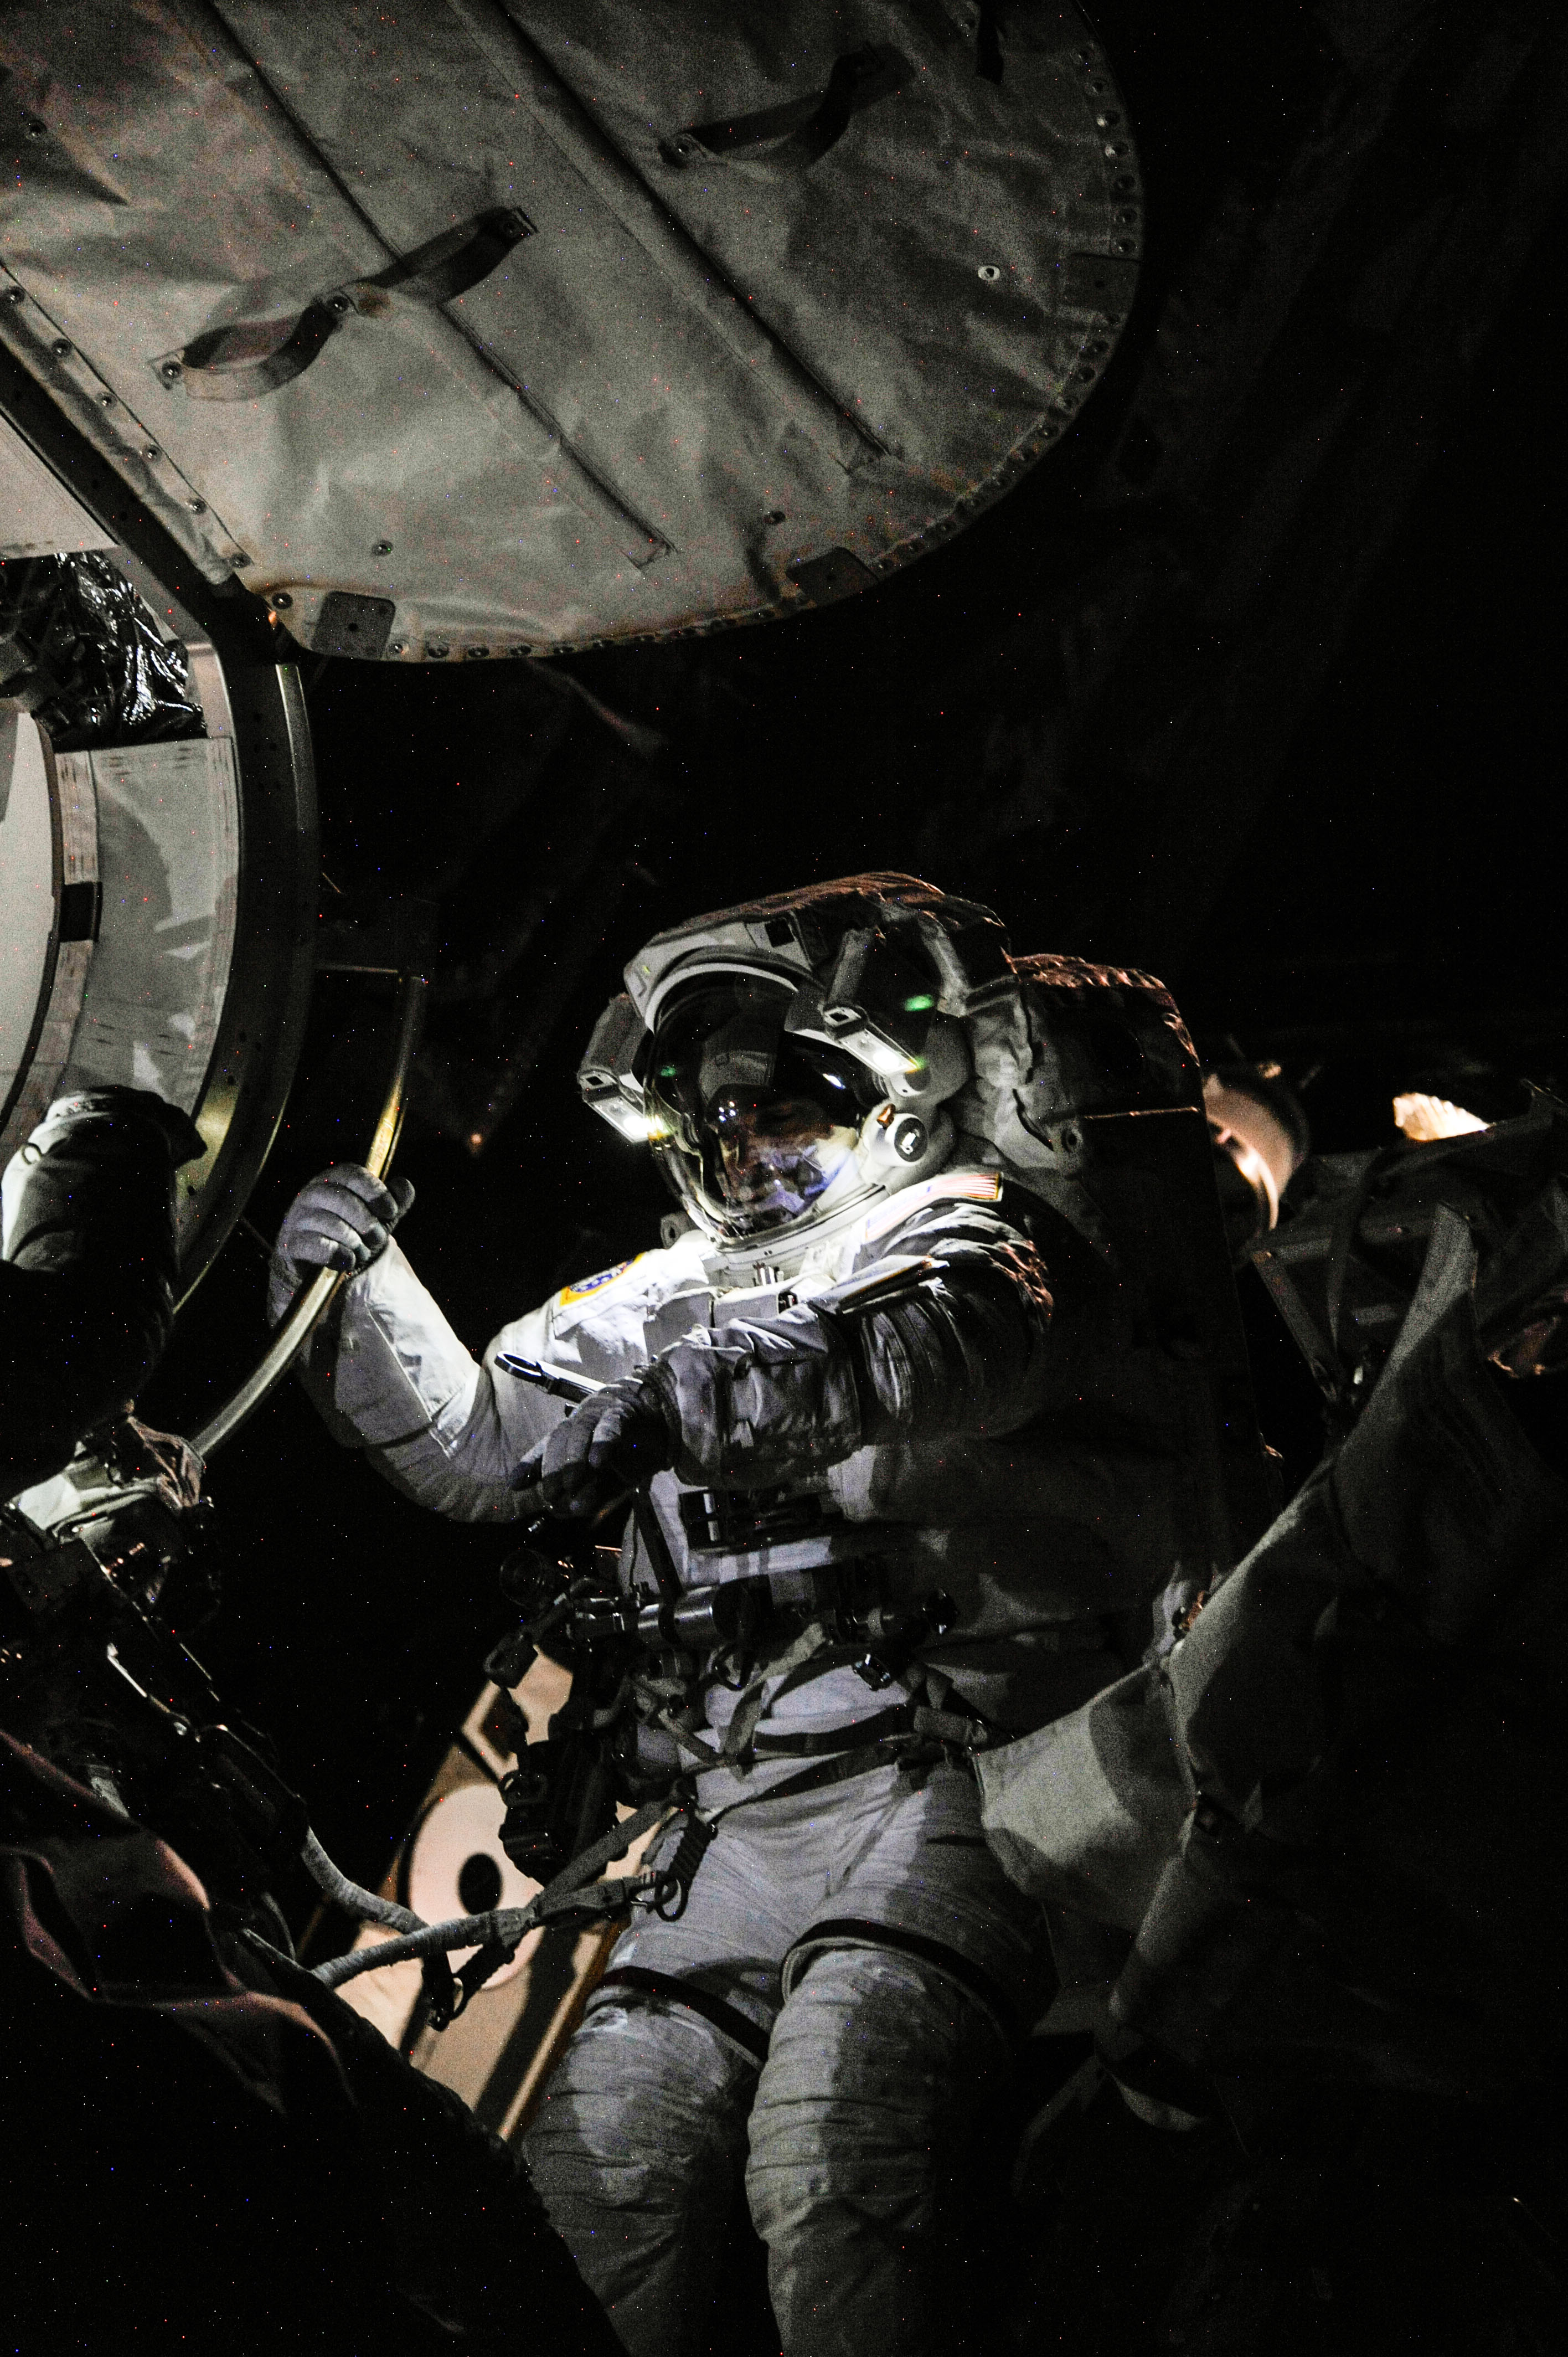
(314, 1302)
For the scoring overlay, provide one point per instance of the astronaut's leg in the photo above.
(639, 2146)
(637, 2152)
(867, 2141)
(888, 2063)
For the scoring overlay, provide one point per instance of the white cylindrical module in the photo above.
(48, 876)
(119, 880)
(168, 860)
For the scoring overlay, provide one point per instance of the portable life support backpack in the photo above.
(1088, 1093)
(464, 329)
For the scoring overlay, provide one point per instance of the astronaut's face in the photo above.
(776, 1155)
(752, 1124)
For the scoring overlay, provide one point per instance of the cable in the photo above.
(365, 1904)
(504, 1926)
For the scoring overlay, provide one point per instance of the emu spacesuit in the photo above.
(836, 1373)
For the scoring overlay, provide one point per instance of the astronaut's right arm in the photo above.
(385, 1370)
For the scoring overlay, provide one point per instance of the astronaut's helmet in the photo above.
(757, 1128)
(790, 1060)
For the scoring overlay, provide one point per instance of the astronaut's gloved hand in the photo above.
(615, 1441)
(342, 1220)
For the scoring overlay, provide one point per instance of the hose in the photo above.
(364, 1904)
(503, 1927)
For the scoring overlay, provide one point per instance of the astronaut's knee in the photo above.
(877, 2073)
(635, 2149)
(646, 2109)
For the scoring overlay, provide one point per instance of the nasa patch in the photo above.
(591, 1285)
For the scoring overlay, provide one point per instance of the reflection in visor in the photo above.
(751, 1123)
(775, 1157)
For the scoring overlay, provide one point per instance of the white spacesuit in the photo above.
(833, 1381)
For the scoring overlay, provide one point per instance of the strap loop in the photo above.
(795, 136)
(255, 356)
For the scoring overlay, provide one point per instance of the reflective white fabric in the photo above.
(1032, 1533)
(867, 2123)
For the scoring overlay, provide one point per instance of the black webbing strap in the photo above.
(779, 140)
(1343, 1253)
(255, 356)
(836, 1770)
(725, 2017)
(852, 1930)
(899, 1720)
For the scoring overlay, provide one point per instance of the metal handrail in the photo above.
(319, 1294)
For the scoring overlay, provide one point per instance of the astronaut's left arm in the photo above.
(955, 1343)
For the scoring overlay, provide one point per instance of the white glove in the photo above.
(342, 1220)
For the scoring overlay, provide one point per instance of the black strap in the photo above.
(837, 1770)
(852, 1931)
(253, 357)
(675, 1880)
(899, 1720)
(725, 2017)
(655, 1546)
(794, 135)
(471, 1978)
(1343, 1251)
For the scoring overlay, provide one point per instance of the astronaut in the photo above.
(833, 1375)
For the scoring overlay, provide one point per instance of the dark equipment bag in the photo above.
(467, 329)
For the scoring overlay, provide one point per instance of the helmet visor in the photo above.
(753, 1125)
